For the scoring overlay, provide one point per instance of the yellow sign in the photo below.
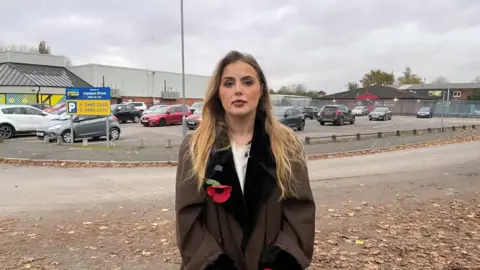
(89, 107)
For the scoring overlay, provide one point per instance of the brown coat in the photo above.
(244, 225)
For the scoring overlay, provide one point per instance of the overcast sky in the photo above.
(320, 43)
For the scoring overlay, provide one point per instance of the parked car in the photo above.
(425, 112)
(291, 117)
(83, 127)
(126, 112)
(55, 108)
(336, 114)
(140, 106)
(195, 106)
(153, 108)
(360, 110)
(310, 112)
(194, 120)
(21, 119)
(380, 113)
(168, 115)
(41, 106)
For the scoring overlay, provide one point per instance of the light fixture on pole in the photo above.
(184, 113)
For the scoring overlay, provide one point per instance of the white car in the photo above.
(140, 106)
(21, 119)
(360, 110)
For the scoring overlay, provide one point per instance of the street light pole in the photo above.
(184, 113)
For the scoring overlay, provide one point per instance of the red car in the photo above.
(194, 120)
(165, 116)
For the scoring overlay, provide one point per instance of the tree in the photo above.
(476, 80)
(377, 76)
(19, 48)
(321, 93)
(440, 80)
(43, 48)
(409, 77)
(272, 91)
(352, 86)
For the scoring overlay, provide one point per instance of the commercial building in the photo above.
(27, 78)
(35, 78)
(143, 85)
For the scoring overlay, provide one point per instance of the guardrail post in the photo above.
(474, 127)
(380, 135)
(464, 127)
(359, 136)
(168, 143)
(1, 139)
(429, 130)
(454, 128)
(46, 139)
(307, 140)
(141, 143)
(59, 140)
(414, 132)
(85, 142)
(334, 138)
(398, 133)
(442, 129)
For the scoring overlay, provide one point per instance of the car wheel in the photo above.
(162, 122)
(114, 134)
(302, 126)
(136, 119)
(352, 121)
(7, 131)
(370, 119)
(66, 137)
(322, 123)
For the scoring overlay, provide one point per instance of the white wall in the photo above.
(141, 82)
(32, 58)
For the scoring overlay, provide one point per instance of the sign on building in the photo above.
(88, 101)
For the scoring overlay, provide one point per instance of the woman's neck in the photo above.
(240, 129)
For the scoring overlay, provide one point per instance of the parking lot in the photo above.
(132, 133)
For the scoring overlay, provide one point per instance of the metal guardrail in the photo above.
(360, 136)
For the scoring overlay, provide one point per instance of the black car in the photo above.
(310, 112)
(380, 113)
(336, 114)
(425, 112)
(126, 112)
(291, 117)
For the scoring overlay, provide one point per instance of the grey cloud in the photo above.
(323, 44)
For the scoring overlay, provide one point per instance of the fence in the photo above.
(361, 136)
(455, 108)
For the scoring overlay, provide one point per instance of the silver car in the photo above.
(83, 127)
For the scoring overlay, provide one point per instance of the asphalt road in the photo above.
(416, 210)
(39, 188)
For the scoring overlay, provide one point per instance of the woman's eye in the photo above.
(228, 84)
(248, 83)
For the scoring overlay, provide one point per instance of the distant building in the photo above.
(149, 86)
(457, 91)
(27, 78)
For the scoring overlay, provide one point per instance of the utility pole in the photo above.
(184, 113)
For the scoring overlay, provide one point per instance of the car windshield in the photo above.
(380, 109)
(280, 112)
(197, 104)
(161, 110)
(198, 111)
(359, 108)
(425, 109)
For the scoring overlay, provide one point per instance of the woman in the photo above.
(243, 198)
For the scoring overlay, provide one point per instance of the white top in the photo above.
(240, 158)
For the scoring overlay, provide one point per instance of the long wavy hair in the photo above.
(286, 147)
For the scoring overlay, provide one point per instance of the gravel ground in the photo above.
(41, 151)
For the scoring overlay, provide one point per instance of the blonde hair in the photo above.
(286, 147)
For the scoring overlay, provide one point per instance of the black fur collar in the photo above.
(260, 177)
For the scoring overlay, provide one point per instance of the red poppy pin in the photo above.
(219, 193)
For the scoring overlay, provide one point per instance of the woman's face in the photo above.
(240, 89)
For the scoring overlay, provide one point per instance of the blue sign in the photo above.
(100, 93)
(71, 107)
(88, 101)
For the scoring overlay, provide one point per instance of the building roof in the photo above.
(17, 74)
(443, 86)
(381, 91)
